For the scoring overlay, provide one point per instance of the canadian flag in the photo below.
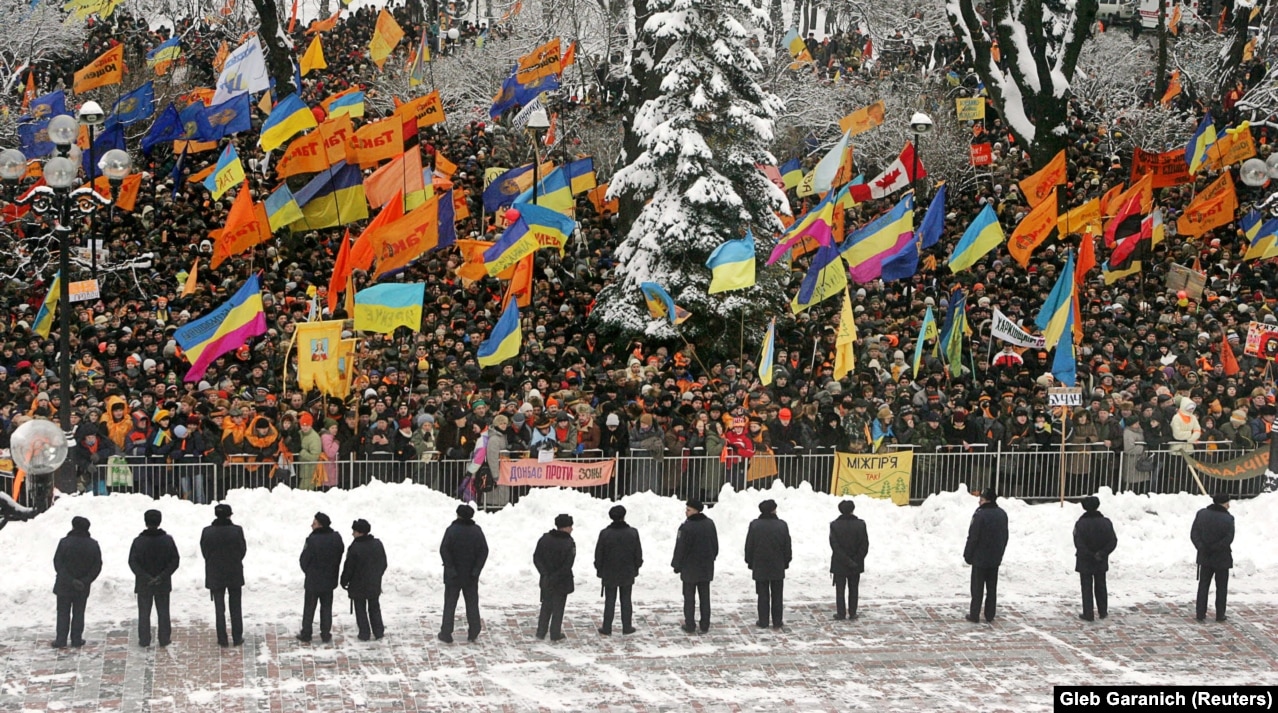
(900, 174)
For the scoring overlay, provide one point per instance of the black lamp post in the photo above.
(538, 123)
(60, 205)
(920, 124)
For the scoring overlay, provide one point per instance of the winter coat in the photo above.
(849, 544)
(153, 559)
(1212, 535)
(1133, 449)
(1078, 459)
(648, 440)
(696, 547)
(321, 558)
(767, 547)
(328, 468)
(464, 551)
(77, 559)
(223, 547)
(553, 558)
(618, 555)
(1094, 540)
(365, 565)
(986, 536)
(309, 454)
(614, 441)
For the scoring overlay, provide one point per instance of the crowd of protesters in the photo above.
(1149, 361)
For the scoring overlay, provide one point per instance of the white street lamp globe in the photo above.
(13, 164)
(60, 172)
(63, 130)
(115, 164)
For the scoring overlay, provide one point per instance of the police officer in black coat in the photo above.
(849, 544)
(464, 551)
(986, 542)
(362, 579)
(321, 558)
(1094, 540)
(618, 557)
(1213, 535)
(696, 547)
(768, 555)
(153, 559)
(223, 546)
(555, 553)
(77, 562)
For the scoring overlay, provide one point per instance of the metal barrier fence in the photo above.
(1032, 474)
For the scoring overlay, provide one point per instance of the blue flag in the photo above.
(135, 106)
(515, 94)
(112, 137)
(46, 107)
(35, 139)
(230, 117)
(167, 127)
(933, 224)
(195, 124)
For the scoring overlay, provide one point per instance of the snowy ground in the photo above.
(910, 650)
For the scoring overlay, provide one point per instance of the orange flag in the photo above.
(429, 109)
(365, 248)
(521, 282)
(472, 253)
(219, 60)
(1086, 258)
(399, 178)
(324, 25)
(378, 141)
(541, 62)
(386, 34)
(596, 196)
(570, 56)
(246, 226)
(127, 196)
(1033, 229)
(104, 71)
(403, 241)
(461, 206)
(341, 271)
(1227, 358)
(30, 94)
(1040, 185)
(188, 289)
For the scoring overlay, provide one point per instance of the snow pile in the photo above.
(915, 552)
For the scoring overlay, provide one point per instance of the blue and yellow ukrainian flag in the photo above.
(951, 340)
(1064, 362)
(536, 228)
(282, 208)
(44, 318)
(660, 304)
(164, 55)
(350, 103)
(982, 236)
(504, 341)
(826, 277)
(288, 118)
(1054, 318)
(581, 175)
(732, 265)
(768, 355)
(1200, 143)
(228, 172)
(381, 308)
(791, 173)
(926, 331)
(333, 197)
(553, 192)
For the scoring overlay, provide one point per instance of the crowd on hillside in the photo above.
(1149, 361)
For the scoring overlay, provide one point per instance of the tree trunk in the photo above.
(1238, 26)
(279, 56)
(780, 25)
(1160, 77)
(642, 84)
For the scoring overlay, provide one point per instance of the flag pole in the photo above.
(1064, 428)
(741, 348)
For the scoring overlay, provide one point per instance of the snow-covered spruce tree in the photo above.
(1039, 42)
(701, 138)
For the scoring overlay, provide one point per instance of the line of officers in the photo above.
(153, 558)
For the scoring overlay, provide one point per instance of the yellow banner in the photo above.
(881, 475)
(320, 358)
(863, 119)
(1081, 219)
(1230, 149)
(970, 109)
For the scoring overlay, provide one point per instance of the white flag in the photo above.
(825, 171)
(244, 71)
(1009, 331)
